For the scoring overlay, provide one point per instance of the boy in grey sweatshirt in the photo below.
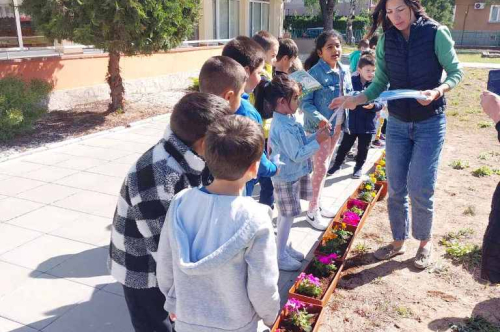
(217, 261)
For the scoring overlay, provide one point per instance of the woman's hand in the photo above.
(369, 106)
(430, 96)
(173, 317)
(348, 102)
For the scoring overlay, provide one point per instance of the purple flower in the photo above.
(351, 218)
(309, 278)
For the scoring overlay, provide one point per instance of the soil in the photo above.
(287, 326)
(393, 295)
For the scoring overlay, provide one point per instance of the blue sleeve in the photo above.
(266, 168)
(308, 106)
(294, 150)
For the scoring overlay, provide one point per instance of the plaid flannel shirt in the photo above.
(161, 172)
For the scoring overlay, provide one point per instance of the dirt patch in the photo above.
(393, 295)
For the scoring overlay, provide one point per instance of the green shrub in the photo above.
(482, 172)
(21, 104)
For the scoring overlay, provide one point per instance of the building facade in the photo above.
(476, 23)
(219, 19)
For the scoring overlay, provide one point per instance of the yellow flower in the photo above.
(374, 194)
(368, 187)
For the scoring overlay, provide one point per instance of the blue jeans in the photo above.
(413, 150)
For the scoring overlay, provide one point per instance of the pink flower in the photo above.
(357, 203)
(294, 305)
(309, 278)
(351, 218)
(327, 260)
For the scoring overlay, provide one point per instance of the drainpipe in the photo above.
(463, 27)
(18, 25)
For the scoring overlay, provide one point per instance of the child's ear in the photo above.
(247, 69)
(228, 95)
(199, 146)
(253, 170)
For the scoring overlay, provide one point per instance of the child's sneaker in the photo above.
(317, 221)
(358, 172)
(294, 253)
(333, 169)
(327, 213)
(377, 144)
(288, 263)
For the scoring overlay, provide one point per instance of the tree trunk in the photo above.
(115, 82)
(327, 10)
(352, 12)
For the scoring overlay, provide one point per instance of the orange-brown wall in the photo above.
(477, 19)
(69, 72)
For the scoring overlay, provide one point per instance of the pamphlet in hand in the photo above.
(308, 83)
(494, 81)
(400, 94)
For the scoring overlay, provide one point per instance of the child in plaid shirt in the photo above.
(294, 151)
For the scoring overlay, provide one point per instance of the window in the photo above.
(8, 28)
(227, 18)
(259, 16)
(495, 14)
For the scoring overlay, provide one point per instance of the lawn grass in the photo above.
(477, 58)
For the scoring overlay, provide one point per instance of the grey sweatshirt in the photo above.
(217, 263)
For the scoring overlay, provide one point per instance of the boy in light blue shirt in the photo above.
(294, 150)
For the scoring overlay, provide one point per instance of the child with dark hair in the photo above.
(251, 55)
(362, 121)
(287, 54)
(224, 77)
(373, 41)
(363, 46)
(170, 166)
(217, 255)
(289, 142)
(324, 65)
(271, 45)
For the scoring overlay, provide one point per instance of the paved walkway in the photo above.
(56, 207)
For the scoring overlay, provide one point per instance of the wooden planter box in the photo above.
(314, 309)
(349, 228)
(323, 300)
(383, 192)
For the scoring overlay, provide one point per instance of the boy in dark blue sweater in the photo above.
(362, 120)
(250, 55)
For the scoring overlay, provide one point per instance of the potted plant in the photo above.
(318, 281)
(380, 178)
(336, 240)
(298, 316)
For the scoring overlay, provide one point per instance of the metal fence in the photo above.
(468, 38)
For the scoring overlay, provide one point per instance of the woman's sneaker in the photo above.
(294, 253)
(317, 221)
(358, 172)
(288, 263)
(389, 251)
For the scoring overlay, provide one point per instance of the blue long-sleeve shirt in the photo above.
(362, 120)
(266, 168)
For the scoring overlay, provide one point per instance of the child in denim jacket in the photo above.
(294, 150)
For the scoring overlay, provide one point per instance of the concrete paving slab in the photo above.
(88, 229)
(48, 193)
(129, 160)
(10, 326)
(99, 142)
(12, 237)
(47, 158)
(115, 288)
(17, 167)
(41, 301)
(49, 173)
(44, 252)
(104, 312)
(134, 147)
(13, 277)
(80, 150)
(46, 219)
(4, 176)
(95, 203)
(16, 185)
(134, 138)
(87, 267)
(114, 169)
(93, 182)
(12, 207)
(81, 163)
